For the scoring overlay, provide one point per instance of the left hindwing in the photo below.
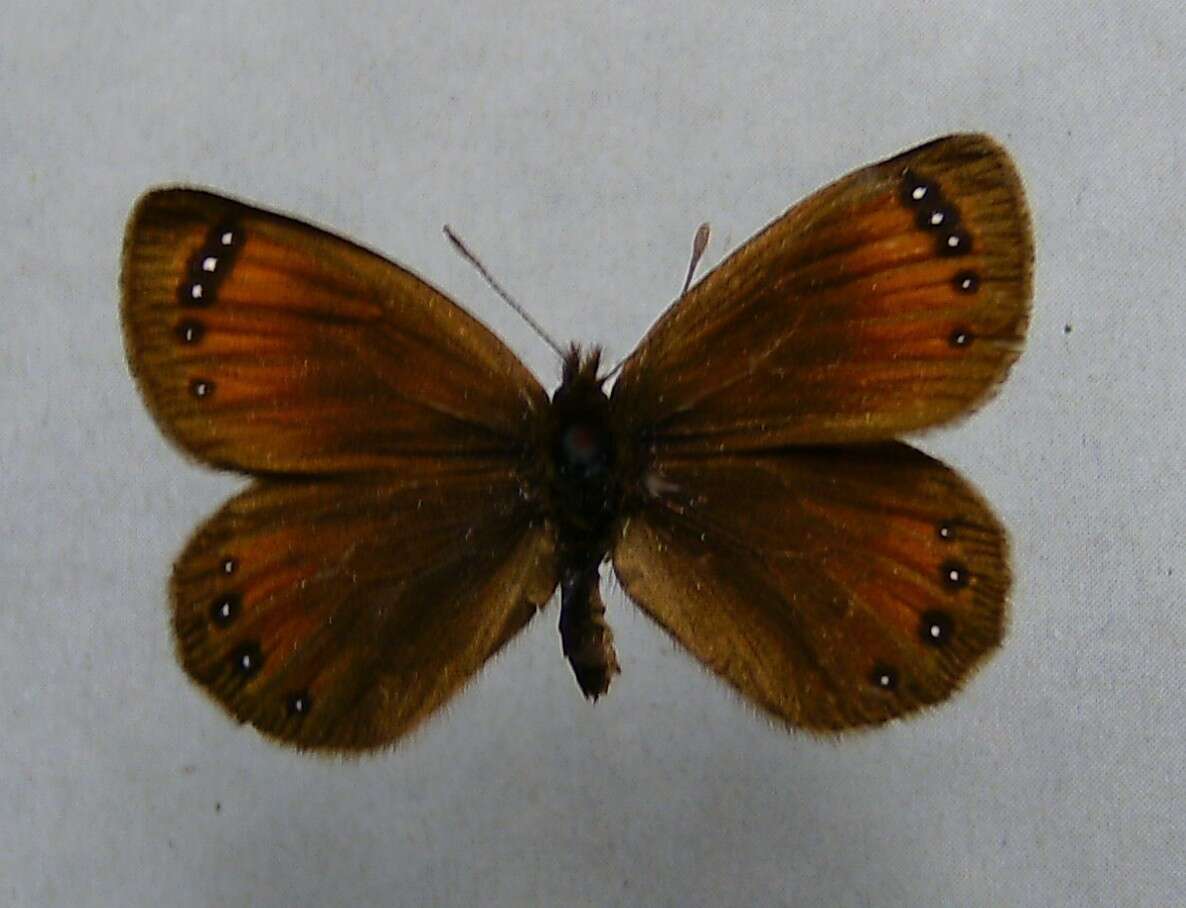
(337, 614)
(833, 587)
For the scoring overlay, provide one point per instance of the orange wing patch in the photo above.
(338, 614)
(893, 300)
(833, 587)
(263, 344)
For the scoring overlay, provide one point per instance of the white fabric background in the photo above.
(577, 148)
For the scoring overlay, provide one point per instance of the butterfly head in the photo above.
(580, 369)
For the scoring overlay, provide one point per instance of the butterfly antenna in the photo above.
(699, 244)
(523, 314)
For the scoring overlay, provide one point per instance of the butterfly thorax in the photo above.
(582, 450)
(584, 503)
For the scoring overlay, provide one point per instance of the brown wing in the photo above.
(338, 614)
(892, 300)
(264, 344)
(833, 587)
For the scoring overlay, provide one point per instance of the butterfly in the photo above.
(417, 496)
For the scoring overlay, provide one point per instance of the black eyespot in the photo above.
(228, 565)
(226, 609)
(935, 628)
(966, 281)
(200, 388)
(210, 265)
(226, 236)
(937, 217)
(945, 531)
(960, 337)
(953, 574)
(298, 703)
(884, 677)
(247, 659)
(190, 331)
(916, 191)
(194, 293)
(954, 242)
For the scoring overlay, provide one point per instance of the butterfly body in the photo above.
(586, 505)
(418, 496)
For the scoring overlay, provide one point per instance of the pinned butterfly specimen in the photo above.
(418, 497)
